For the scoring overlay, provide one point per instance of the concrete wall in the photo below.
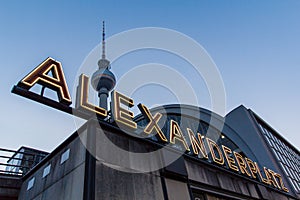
(65, 180)
(115, 184)
(9, 187)
(119, 174)
(126, 168)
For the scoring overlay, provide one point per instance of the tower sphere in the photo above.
(103, 77)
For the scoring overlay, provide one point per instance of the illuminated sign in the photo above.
(120, 105)
(56, 82)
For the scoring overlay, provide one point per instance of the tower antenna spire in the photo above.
(103, 39)
(103, 80)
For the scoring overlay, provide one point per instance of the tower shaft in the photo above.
(103, 95)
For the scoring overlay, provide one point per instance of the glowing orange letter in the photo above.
(212, 147)
(197, 144)
(82, 98)
(56, 82)
(121, 114)
(176, 134)
(153, 122)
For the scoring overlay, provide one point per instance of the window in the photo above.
(65, 156)
(30, 183)
(288, 158)
(46, 170)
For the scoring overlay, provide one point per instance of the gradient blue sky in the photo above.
(255, 45)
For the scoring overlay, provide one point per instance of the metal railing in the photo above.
(19, 162)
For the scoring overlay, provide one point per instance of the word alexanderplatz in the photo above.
(221, 155)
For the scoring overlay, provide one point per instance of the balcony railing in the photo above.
(19, 162)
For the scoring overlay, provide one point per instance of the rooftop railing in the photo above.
(19, 162)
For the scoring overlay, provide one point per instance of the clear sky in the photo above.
(255, 45)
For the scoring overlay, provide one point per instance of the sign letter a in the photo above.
(55, 82)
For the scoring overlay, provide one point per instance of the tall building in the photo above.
(271, 148)
(72, 172)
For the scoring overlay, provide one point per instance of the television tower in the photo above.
(103, 80)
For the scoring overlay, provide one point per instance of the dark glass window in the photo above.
(287, 157)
